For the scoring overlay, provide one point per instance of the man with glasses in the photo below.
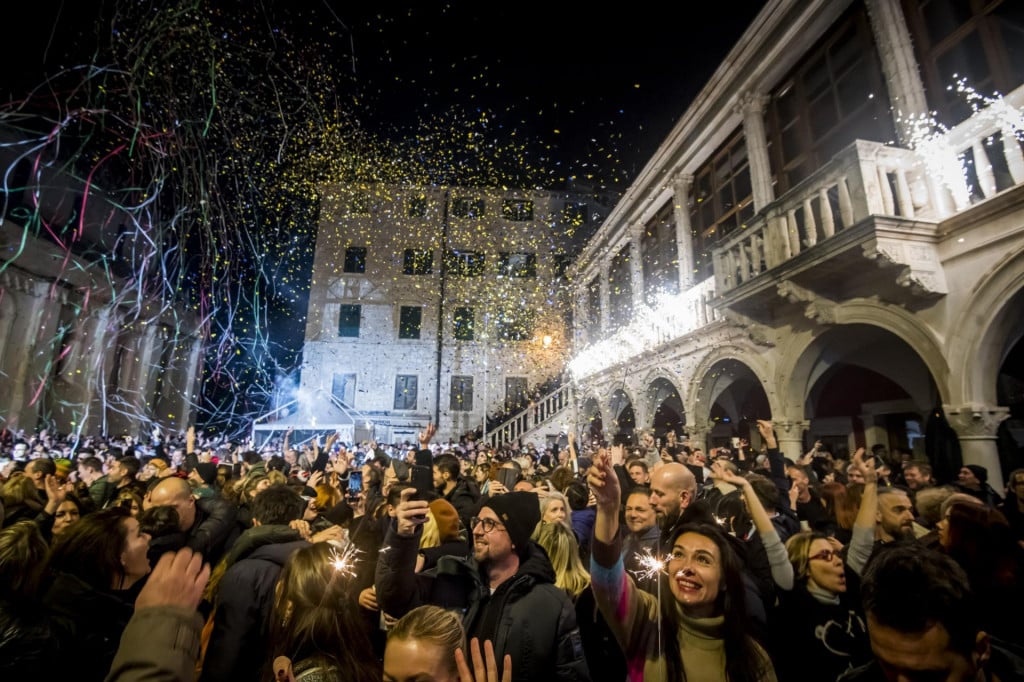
(505, 591)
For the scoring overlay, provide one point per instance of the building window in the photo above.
(562, 261)
(418, 262)
(359, 204)
(518, 265)
(835, 95)
(466, 207)
(348, 321)
(978, 40)
(410, 320)
(463, 323)
(406, 390)
(462, 394)
(355, 259)
(620, 287)
(417, 207)
(464, 263)
(517, 326)
(721, 200)
(518, 210)
(574, 214)
(660, 255)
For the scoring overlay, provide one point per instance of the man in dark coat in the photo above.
(209, 523)
(244, 596)
(505, 592)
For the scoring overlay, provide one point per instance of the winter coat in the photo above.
(526, 617)
(244, 602)
(88, 624)
(214, 530)
(27, 646)
(160, 644)
(465, 497)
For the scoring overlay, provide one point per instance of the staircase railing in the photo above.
(538, 413)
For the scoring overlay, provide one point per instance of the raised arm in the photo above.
(863, 540)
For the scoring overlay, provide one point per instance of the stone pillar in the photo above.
(684, 237)
(976, 426)
(790, 435)
(636, 269)
(752, 107)
(902, 76)
(699, 432)
(23, 348)
(190, 387)
(606, 317)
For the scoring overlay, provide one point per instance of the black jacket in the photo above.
(244, 601)
(465, 497)
(214, 530)
(527, 616)
(28, 649)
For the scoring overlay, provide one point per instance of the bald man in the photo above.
(673, 488)
(209, 523)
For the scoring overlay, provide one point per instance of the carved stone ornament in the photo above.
(975, 420)
(758, 333)
(818, 308)
(791, 428)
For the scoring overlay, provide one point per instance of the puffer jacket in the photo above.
(526, 617)
(28, 649)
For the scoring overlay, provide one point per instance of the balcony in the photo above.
(651, 328)
(866, 223)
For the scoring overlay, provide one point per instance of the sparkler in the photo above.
(343, 557)
(651, 566)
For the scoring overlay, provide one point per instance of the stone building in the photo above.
(437, 304)
(831, 237)
(86, 346)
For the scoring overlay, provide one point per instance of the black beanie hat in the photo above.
(980, 472)
(519, 513)
(207, 471)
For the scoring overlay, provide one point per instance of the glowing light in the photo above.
(343, 557)
(650, 565)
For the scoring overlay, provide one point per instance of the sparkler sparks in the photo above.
(650, 565)
(343, 557)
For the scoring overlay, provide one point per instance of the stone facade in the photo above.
(839, 272)
(436, 304)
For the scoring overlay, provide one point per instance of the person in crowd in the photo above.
(563, 551)
(924, 623)
(841, 504)
(702, 612)
(27, 645)
(130, 500)
(639, 472)
(21, 500)
(805, 501)
(673, 488)
(209, 523)
(895, 515)
(314, 621)
(917, 476)
(462, 493)
(242, 587)
(450, 540)
(63, 509)
(428, 643)
(1013, 505)
(100, 489)
(123, 473)
(554, 508)
(94, 566)
(202, 479)
(973, 480)
(642, 539)
(37, 470)
(981, 541)
(505, 590)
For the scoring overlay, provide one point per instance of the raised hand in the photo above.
(485, 668)
(427, 434)
(410, 513)
(178, 580)
(604, 483)
(764, 427)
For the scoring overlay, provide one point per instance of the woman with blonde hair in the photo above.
(554, 508)
(564, 552)
(315, 623)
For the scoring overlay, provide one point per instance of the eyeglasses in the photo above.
(488, 524)
(824, 555)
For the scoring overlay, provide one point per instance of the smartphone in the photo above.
(355, 482)
(508, 478)
(422, 479)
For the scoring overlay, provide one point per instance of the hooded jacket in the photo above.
(526, 616)
(244, 601)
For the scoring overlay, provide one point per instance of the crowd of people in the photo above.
(195, 558)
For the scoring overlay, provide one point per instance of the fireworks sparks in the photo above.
(343, 557)
(651, 566)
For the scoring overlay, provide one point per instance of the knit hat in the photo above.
(207, 471)
(160, 465)
(447, 520)
(63, 467)
(519, 513)
(980, 472)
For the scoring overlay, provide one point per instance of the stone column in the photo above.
(976, 426)
(636, 269)
(902, 76)
(699, 432)
(790, 435)
(752, 107)
(23, 348)
(684, 237)
(606, 318)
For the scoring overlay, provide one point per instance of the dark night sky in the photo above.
(595, 82)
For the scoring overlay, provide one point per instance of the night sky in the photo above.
(237, 111)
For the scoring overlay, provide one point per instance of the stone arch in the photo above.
(729, 391)
(591, 418)
(664, 404)
(989, 326)
(701, 393)
(621, 413)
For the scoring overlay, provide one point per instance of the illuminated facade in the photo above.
(435, 304)
(830, 238)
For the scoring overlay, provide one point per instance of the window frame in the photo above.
(351, 308)
(405, 392)
(358, 260)
(517, 210)
(465, 398)
(405, 329)
(415, 262)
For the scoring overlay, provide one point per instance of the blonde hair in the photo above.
(799, 549)
(564, 552)
(433, 625)
(431, 536)
(546, 497)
